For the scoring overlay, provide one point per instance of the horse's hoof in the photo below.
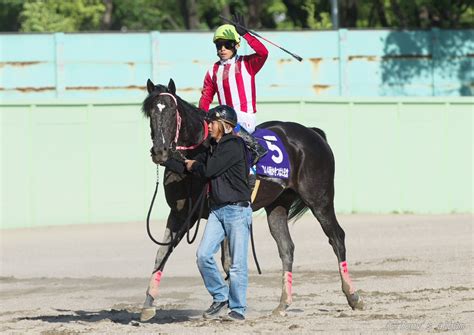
(280, 310)
(147, 314)
(355, 301)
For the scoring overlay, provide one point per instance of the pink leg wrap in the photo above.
(288, 283)
(154, 284)
(345, 276)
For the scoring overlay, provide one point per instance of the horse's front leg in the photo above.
(148, 310)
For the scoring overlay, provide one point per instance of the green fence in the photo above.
(77, 163)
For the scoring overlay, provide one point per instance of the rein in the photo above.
(206, 133)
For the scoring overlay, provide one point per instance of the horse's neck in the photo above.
(193, 127)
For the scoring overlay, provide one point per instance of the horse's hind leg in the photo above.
(277, 216)
(225, 257)
(327, 218)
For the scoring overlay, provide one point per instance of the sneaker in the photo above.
(233, 316)
(215, 310)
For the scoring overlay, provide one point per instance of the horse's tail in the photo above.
(297, 209)
(320, 132)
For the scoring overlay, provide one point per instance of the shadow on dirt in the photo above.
(122, 316)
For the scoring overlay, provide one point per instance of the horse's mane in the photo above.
(196, 111)
(184, 107)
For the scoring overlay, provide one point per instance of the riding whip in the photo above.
(259, 36)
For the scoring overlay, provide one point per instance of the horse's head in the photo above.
(161, 107)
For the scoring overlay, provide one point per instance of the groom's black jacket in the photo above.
(225, 164)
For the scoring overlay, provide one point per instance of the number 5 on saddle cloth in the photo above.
(275, 163)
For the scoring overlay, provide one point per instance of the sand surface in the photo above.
(415, 274)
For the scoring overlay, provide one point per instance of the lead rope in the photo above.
(200, 201)
(187, 223)
(149, 211)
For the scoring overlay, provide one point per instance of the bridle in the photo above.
(178, 128)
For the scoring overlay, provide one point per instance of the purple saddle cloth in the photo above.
(275, 163)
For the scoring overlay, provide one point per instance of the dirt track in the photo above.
(413, 272)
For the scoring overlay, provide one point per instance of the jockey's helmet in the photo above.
(226, 32)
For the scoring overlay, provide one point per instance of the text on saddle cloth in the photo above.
(275, 163)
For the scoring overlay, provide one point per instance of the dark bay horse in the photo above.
(179, 128)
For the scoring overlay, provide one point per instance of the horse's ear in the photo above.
(150, 86)
(172, 87)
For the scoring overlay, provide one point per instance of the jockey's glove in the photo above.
(240, 26)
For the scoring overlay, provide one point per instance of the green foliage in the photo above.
(309, 14)
(467, 18)
(415, 14)
(209, 12)
(312, 21)
(59, 15)
(324, 23)
(146, 15)
(275, 15)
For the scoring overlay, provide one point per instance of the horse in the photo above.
(179, 129)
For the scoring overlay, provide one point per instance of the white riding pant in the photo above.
(247, 120)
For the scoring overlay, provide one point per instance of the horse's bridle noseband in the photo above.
(178, 128)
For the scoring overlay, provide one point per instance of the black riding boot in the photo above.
(252, 179)
(255, 148)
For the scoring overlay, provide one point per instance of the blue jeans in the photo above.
(233, 222)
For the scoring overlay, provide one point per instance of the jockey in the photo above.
(233, 79)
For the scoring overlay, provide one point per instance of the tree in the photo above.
(107, 17)
(58, 15)
(310, 14)
(147, 15)
(9, 12)
(189, 11)
(254, 10)
(348, 13)
(413, 14)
